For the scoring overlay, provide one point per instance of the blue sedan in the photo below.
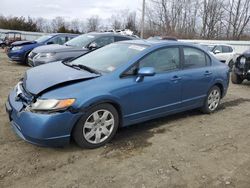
(124, 83)
(20, 50)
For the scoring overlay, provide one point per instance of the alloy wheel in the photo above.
(213, 99)
(98, 126)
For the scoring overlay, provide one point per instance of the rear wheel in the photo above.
(212, 101)
(97, 126)
(236, 79)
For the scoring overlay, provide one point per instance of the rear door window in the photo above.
(121, 38)
(194, 58)
(58, 40)
(227, 49)
(103, 41)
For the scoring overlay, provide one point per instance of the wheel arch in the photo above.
(221, 87)
(112, 102)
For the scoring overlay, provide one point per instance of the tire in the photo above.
(26, 61)
(231, 64)
(91, 131)
(212, 100)
(236, 79)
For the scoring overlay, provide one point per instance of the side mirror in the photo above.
(48, 43)
(92, 46)
(217, 51)
(145, 71)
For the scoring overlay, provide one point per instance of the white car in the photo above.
(223, 52)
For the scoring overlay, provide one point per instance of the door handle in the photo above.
(207, 73)
(176, 78)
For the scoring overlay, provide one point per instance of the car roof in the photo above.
(55, 34)
(222, 44)
(13, 32)
(155, 43)
(109, 34)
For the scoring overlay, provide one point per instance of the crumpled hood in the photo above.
(44, 77)
(55, 48)
(20, 43)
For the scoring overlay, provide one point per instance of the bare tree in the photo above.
(131, 21)
(57, 23)
(93, 23)
(115, 22)
(238, 17)
(212, 13)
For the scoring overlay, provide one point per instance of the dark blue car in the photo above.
(115, 86)
(20, 50)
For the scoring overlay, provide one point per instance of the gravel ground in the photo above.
(185, 150)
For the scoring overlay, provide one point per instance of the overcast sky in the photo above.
(69, 9)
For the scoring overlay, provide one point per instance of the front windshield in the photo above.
(43, 38)
(109, 58)
(81, 41)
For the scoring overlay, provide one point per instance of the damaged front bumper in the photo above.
(41, 129)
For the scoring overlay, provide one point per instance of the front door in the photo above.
(154, 95)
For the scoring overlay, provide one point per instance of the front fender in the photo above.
(98, 100)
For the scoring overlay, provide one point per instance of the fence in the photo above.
(25, 34)
(240, 46)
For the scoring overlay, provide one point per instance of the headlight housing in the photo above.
(50, 105)
(15, 48)
(243, 60)
(45, 55)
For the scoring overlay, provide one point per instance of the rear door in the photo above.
(197, 75)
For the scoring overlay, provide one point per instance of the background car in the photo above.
(120, 84)
(163, 38)
(73, 48)
(9, 38)
(225, 53)
(19, 51)
(241, 70)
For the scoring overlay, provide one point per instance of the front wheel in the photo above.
(212, 101)
(231, 64)
(97, 126)
(236, 79)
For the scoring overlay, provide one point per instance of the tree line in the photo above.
(204, 19)
(124, 19)
(207, 19)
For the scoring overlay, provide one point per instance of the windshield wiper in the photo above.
(84, 67)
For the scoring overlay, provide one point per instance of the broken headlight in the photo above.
(243, 60)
